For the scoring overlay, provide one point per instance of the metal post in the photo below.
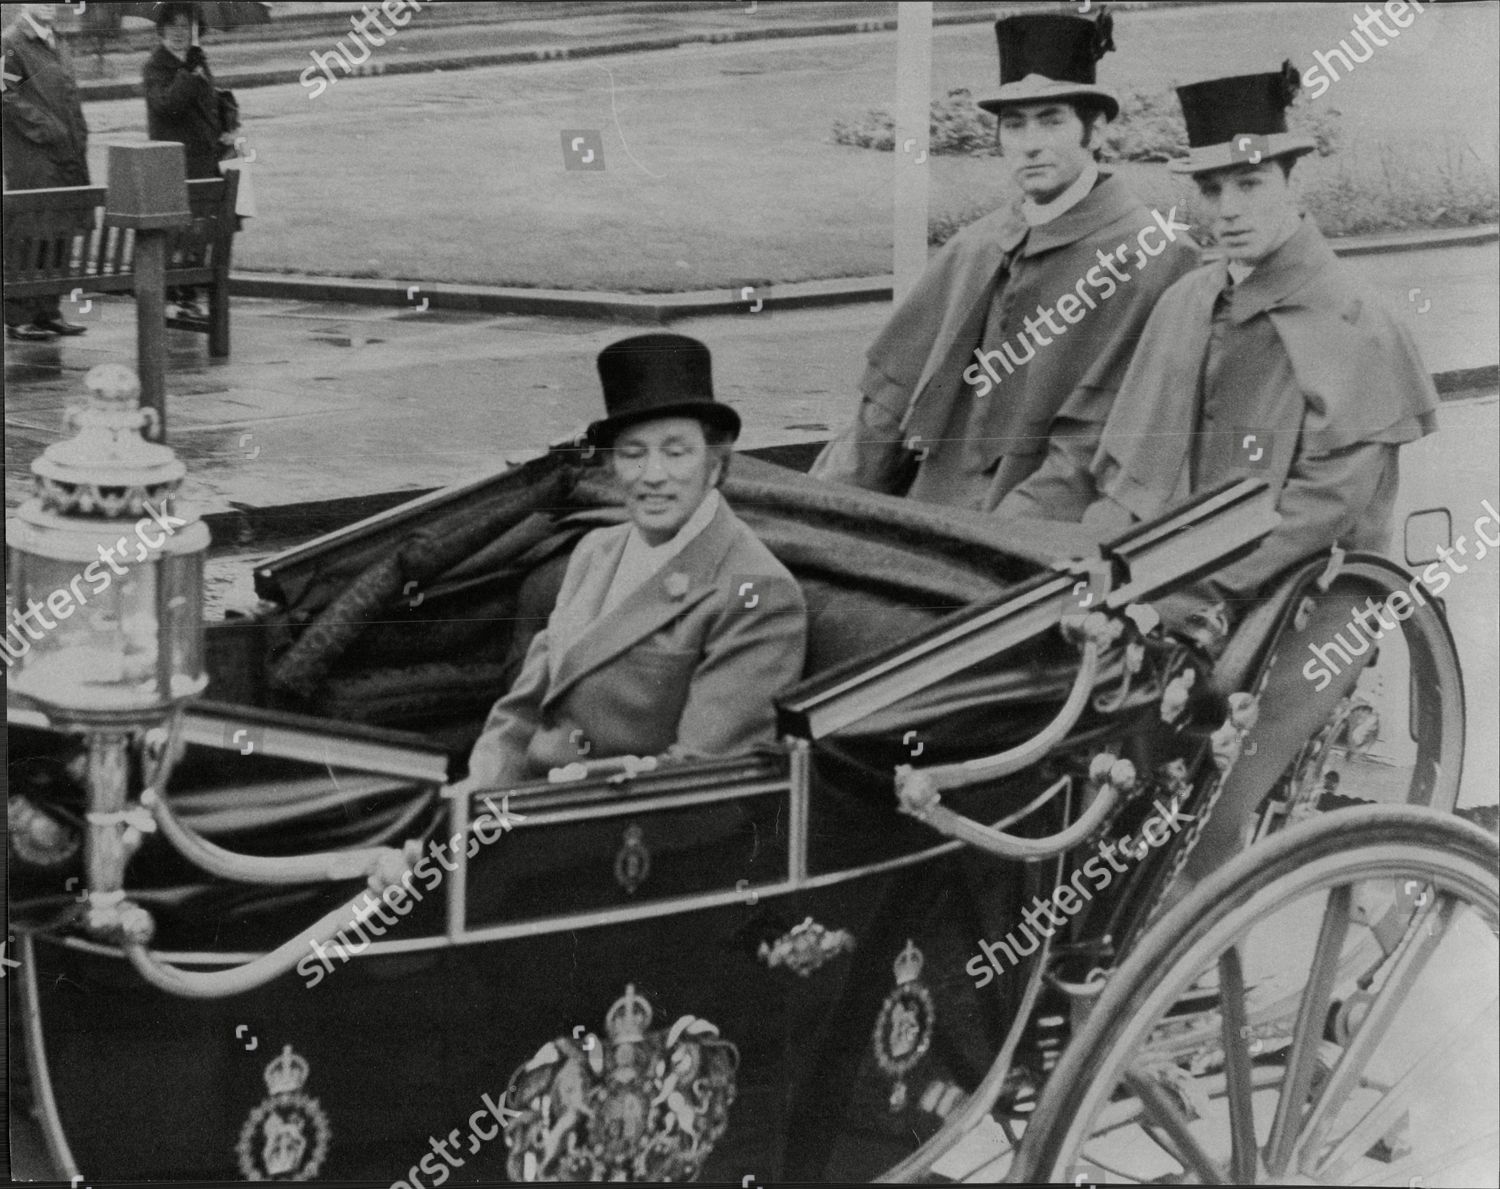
(913, 100)
(150, 326)
(148, 195)
(109, 786)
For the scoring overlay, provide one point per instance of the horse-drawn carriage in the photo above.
(938, 931)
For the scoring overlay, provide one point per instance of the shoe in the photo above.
(60, 325)
(29, 334)
(189, 310)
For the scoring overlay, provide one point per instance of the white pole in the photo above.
(913, 99)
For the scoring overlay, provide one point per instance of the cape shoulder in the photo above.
(1356, 363)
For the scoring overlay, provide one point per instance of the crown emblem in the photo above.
(648, 1107)
(628, 1018)
(286, 1073)
(908, 965)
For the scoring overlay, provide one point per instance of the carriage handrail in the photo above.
(918, 789)
(998, 842)
(329, 866)
(967, 772)
(218, 984)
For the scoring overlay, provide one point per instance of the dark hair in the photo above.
(721, 443)
(167, 13)
(1286, 164)
(1084, 108)
(1087, 108)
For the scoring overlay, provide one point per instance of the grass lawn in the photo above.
(720, 163)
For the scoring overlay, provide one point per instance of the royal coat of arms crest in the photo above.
(641, 1106)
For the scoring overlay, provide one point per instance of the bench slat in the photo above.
(57, 240)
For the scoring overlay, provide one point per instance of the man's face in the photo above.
(665, 470)
(1250, 208)
(1046, 146)
(42, 14)
(177, 35)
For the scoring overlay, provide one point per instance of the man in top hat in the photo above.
(672, 633)
(1269, 361)
(1021, 327)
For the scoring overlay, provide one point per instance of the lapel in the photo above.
(1101, 206)
(55, 50)
(972, 290)
(646, 610)
(975, 284)
(1143, 453)
(1289, 269)
(581, 611)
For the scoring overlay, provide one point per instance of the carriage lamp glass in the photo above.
(104, 620)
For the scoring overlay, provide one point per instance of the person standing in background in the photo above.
(182, 104)
(45, 143)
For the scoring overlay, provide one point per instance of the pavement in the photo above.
(509, 34)
(326, 400)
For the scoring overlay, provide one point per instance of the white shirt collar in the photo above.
(1239, 270)
(1038, 213)
(43, 33)
(640, 561)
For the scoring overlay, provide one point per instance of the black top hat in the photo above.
(658, 375)
(1240, 120)
(1047, 56)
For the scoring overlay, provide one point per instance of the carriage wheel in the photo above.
(1398, 734)
(1380, 1074)
(1390, 726)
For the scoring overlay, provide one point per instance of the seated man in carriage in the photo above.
(1268, 361)
(672, 633)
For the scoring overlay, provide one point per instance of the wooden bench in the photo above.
(56, 241)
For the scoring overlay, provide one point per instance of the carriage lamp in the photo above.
(104, 631)
(106, 572)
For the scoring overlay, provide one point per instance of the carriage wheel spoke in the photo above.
(1165, 1113)
(1242, 1158)
(1422, 941)
(1386, 1112)
(1301, 1059)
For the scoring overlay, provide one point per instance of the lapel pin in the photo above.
(677, 585)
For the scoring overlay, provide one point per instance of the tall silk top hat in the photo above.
(1051, 56)
(657, 375)
(1240, 120)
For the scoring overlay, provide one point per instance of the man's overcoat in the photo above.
(1300, 366)
(42, 131)
(917, 405)
(686, 665)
